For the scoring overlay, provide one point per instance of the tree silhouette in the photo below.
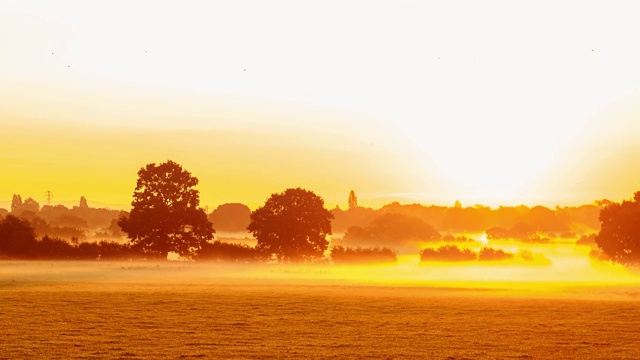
(231, 217)
(83, 203)
(391, 229)
(165, 216)
(17, 237)
(353, 200)
(292, 225)
(16, 203)
(29, 205)
(619, 236)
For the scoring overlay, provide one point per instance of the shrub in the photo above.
(359, 255)
(447, 253)
(490, 254)
(221, 251)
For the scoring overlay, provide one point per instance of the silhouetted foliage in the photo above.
(42, 228)
(114, 229)
(231, 217)
(490, 254)
(543, 219)
(478, 218)
(520, 231)
(17, 237)
(619, 237)
(88, 251)
(292, 226)
(358, 216)
(353, 200)
(392, 229)
(54, 248)
(587, 239)
(70, 221)
(28, 205)
(603, 203)
(221, 251)
(111, 250)
(449, 237)
(16, 203)
(447, 253)
(165, 216)
(358, 255)
(453, 253)
(83, 203)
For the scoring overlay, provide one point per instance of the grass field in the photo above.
(55, 310)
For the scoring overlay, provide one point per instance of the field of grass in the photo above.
(91, 310)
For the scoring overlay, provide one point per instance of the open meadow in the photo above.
(91, 310)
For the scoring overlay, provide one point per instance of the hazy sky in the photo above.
(486, 102)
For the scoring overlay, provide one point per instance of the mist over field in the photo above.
(145, 310)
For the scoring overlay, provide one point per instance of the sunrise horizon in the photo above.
(244, 179)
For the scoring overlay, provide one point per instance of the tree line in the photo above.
(291, 226)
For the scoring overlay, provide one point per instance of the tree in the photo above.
(16, 203)
(17, 237)
(619, 236)
(165, 216)
(30, 205)
(353, 200)
(231, 217)
(83, 203)
(292, 225)
(392, 229)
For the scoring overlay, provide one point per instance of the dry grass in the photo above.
(91, 314)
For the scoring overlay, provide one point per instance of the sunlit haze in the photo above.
(531, 102)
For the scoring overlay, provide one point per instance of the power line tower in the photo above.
(48, 196)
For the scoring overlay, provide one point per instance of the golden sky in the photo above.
(532, 102)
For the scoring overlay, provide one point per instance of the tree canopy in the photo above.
(165, 216)
(292, 225)
(353, 200)
(17, 237)
(619, 236)
(232, 217)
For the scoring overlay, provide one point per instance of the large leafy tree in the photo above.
(619, 236)
(165, 216)
(292, 225)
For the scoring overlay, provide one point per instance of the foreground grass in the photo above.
(85, 314)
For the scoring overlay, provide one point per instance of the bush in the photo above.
(359, 255)
(449, 237)
(490, 254)
(447, 253)
(54, 248)
(221, 251)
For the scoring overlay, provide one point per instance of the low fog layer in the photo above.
(572, 275)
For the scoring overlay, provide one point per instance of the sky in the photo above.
(518, 102)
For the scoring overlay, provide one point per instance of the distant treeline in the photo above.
(449, 253)
(478, 218)
(18, 240)
(370, 235)
(520, 221)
